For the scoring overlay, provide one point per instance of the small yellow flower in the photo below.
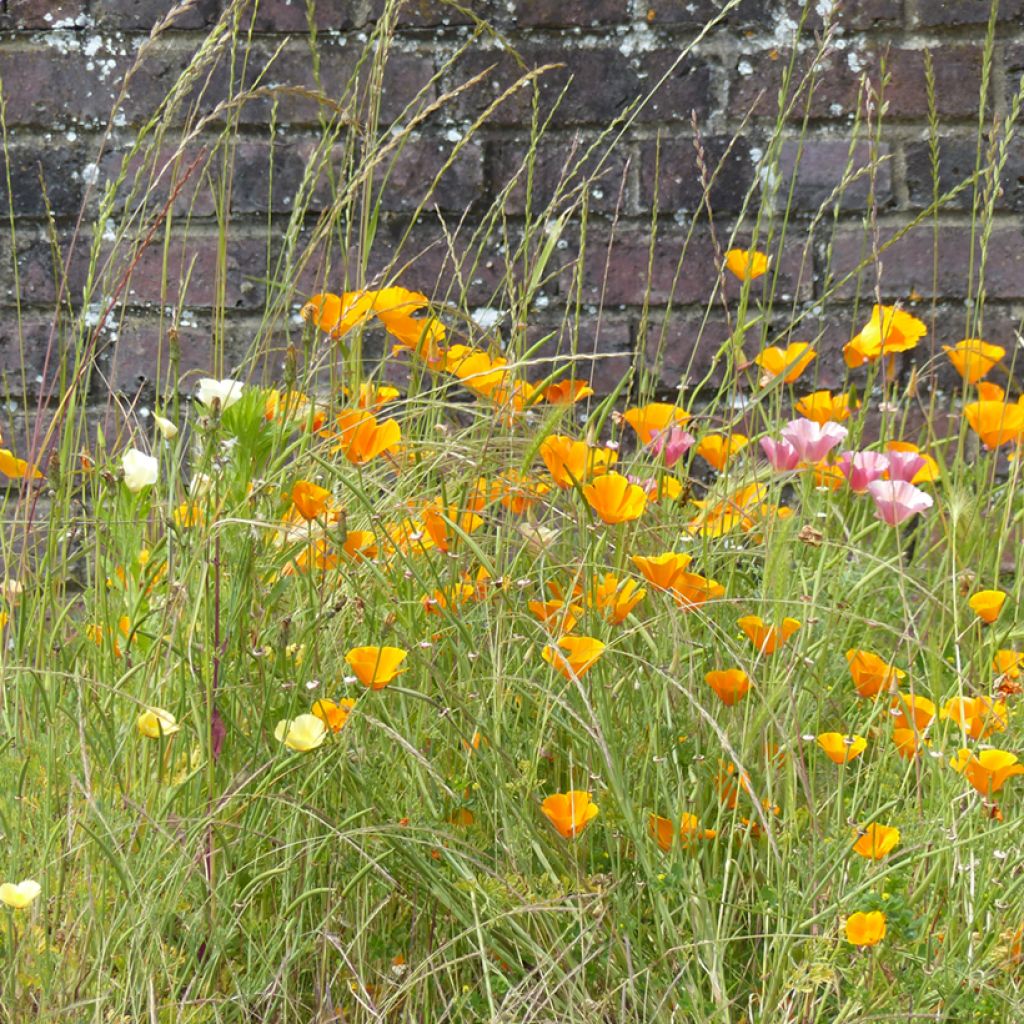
(19, 895)
(155, 722)
(302, 733)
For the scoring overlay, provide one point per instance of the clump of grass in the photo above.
(308, 685)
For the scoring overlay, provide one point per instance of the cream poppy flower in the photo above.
(168, 429)
(226, 392)
(155, 722)
(140, 470)
(302, 733)
(19, 895)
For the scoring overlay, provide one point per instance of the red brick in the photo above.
(23, 356)
(27, 165)
(671, 174)
(957, 161)
(604, 82)
(143, 15)
(907, 266)
(415, 168)
(755, 82)
(603, 354)
(46, 14)
(848, 14)
(943, 13)
(559, 167)
(564, 14)
(418, 14)
(293, 16)
(37, 278)
(695, 14)
(620, 276)
(815, 167)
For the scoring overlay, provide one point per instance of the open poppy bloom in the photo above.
(447, 526)
(876, 841)
(824, 407)
(813, 441)
(373, 396)
(570, 812)
(979, 717)
(666, 833)
(731, 684)
(746, 264)
(574, 462)
(718, 449)
(661, 571)
(672, 444)
(476, 370)
(360, 544)
(928, 473)
(362, 438)
(909, 743)
(573, 656)
(782, 456)
(788, 363)
(302, 733)
(973, 358)
(745, 508)
(19, 895)
(910, 711)
(155, 722)
(890, 330)
(648, 421)
(987, 604)
(842, 749)
(334, 714)
(896, 501)
(996, 422)
(336, 315)
(310, 500)
(690, 590)
(556, 615)
(987, 770)
(375, 667)
(863, 468)
(865, 929)
(1008, 663)
(567, 392)
(615, 499)
(615, 598)
(767, 639)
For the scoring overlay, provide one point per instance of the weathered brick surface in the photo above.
(297, 117)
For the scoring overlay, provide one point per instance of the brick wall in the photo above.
(639, 301)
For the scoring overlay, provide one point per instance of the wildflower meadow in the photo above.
(405, 667)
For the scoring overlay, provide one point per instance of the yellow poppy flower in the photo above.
(375, 667)
(19, 895)
(788, 363)
(840, 748)
(987, 604)
(865, 929)
(718, 449)
(746, 264)
(573, 656)
(155, 722)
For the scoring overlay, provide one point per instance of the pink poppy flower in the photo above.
(781, 454)
(674, 443)
(905, 465)
(896, 500)
(813, 441)
(862, 468)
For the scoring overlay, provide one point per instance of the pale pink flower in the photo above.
(896, 500)
(674, 443)
(862, 468)
(781, 454)
(905, 465)
(813, 441)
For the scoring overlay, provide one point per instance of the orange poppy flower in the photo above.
(373, 396)
(718, 449)
(890, 330)
(654, 418)
(865, 929)
(690, 590)
(295, 407)
(615, 499)
(336, 315)
(731, 684)
(996, 422)
(567, 392)
(375, 667)
(574, 462)
(979, 717)
(824, 407)
(990, 392)
(729, 783)
(310, 500)
(746, 264)
(334, 714)
(362, 438)
(449, 598)
(912, 712)
(573, 656)
(1008, 663)
(666, 833)
(518, 492)
(360, 544)
(16, 468)
(987, 770)
(661, 571)
(767, 639)
(842, 749)
(871, 675)
(615, 598)
(876, 841)
(570, 813)
(446, 526)
(476, 370)
(973, 358)
(987, 604)
(559, 617)
(909, 743)
(788, 363)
